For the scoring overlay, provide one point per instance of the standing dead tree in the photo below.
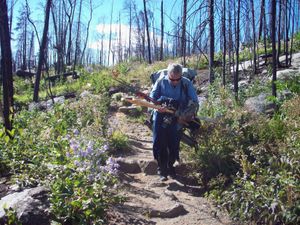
(274, 61)
(183, 34)
(147, 30)
(161, 56)
(6, 67)
(237, 42)
(42, 52)
(211, 40)
(91, 9)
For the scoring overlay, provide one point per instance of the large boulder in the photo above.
(258, 104)
(30, 205)
(43, 105)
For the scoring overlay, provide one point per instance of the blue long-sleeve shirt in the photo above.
(182, 92)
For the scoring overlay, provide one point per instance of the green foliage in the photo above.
(265, 191)
(101, 81)
(123, 68)
(11, 217)
(260, 156)
(292, 84)
(63, 148)
(118, 141)
(255, 88)
(81, 192)
(296, 46)
(219, 101)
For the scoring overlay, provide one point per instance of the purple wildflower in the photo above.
(112, 165)
(68, 154)
(76, 163)
(76, 132)
(89, 149)
(105, 147)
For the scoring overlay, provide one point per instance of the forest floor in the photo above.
(148, 200)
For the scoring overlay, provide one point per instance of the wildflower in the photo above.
(82, 153)
(105, 147)
(74, 147)
(76, 132)
(77, 163)
(89, 150)
(112, 165)
(91, 177)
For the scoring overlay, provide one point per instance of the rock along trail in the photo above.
(150, 201)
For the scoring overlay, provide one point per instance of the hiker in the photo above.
(176, 92)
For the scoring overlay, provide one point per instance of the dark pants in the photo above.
(166, 139)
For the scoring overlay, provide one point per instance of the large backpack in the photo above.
(186, 72)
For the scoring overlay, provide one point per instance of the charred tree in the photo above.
(273, 30)
(6, 66)
(87, 31)
(237, 42)
(42, 52)
(183, 34)
(211, 40)
(279, 33)
(254, 37)
(147, 30)
(224, 43)
(161, 56)
(110, 33)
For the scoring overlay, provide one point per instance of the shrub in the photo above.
(118, 141)
(80, 194)
(250, 163)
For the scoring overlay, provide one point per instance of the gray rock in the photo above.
(243, 84)
(129, 110)
(287, 74)
(85, 94)
(43, 105)
(258, 104)
(285, 94)
(175, 211)
(128, 166)
(170, 195)
(30, 206)
(149, 167)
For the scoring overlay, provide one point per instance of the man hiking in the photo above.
(178, 93)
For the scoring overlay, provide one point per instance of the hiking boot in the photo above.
(163, 178)
(172, 172)
(158, 171)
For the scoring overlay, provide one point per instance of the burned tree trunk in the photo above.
(6, 66)
(224, 43)
(162, 31)
(183, 35)
(147, 30)
(273, 23)
(211, 40)
(236, 75)
(42, 52)
(254, 37)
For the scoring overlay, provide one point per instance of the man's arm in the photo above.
(192, 92)
(155, 92)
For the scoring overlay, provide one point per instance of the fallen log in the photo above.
(24, 74)
(64, 75)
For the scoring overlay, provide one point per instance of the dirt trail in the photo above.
(150, 201)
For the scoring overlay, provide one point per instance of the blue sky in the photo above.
(102, 12)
